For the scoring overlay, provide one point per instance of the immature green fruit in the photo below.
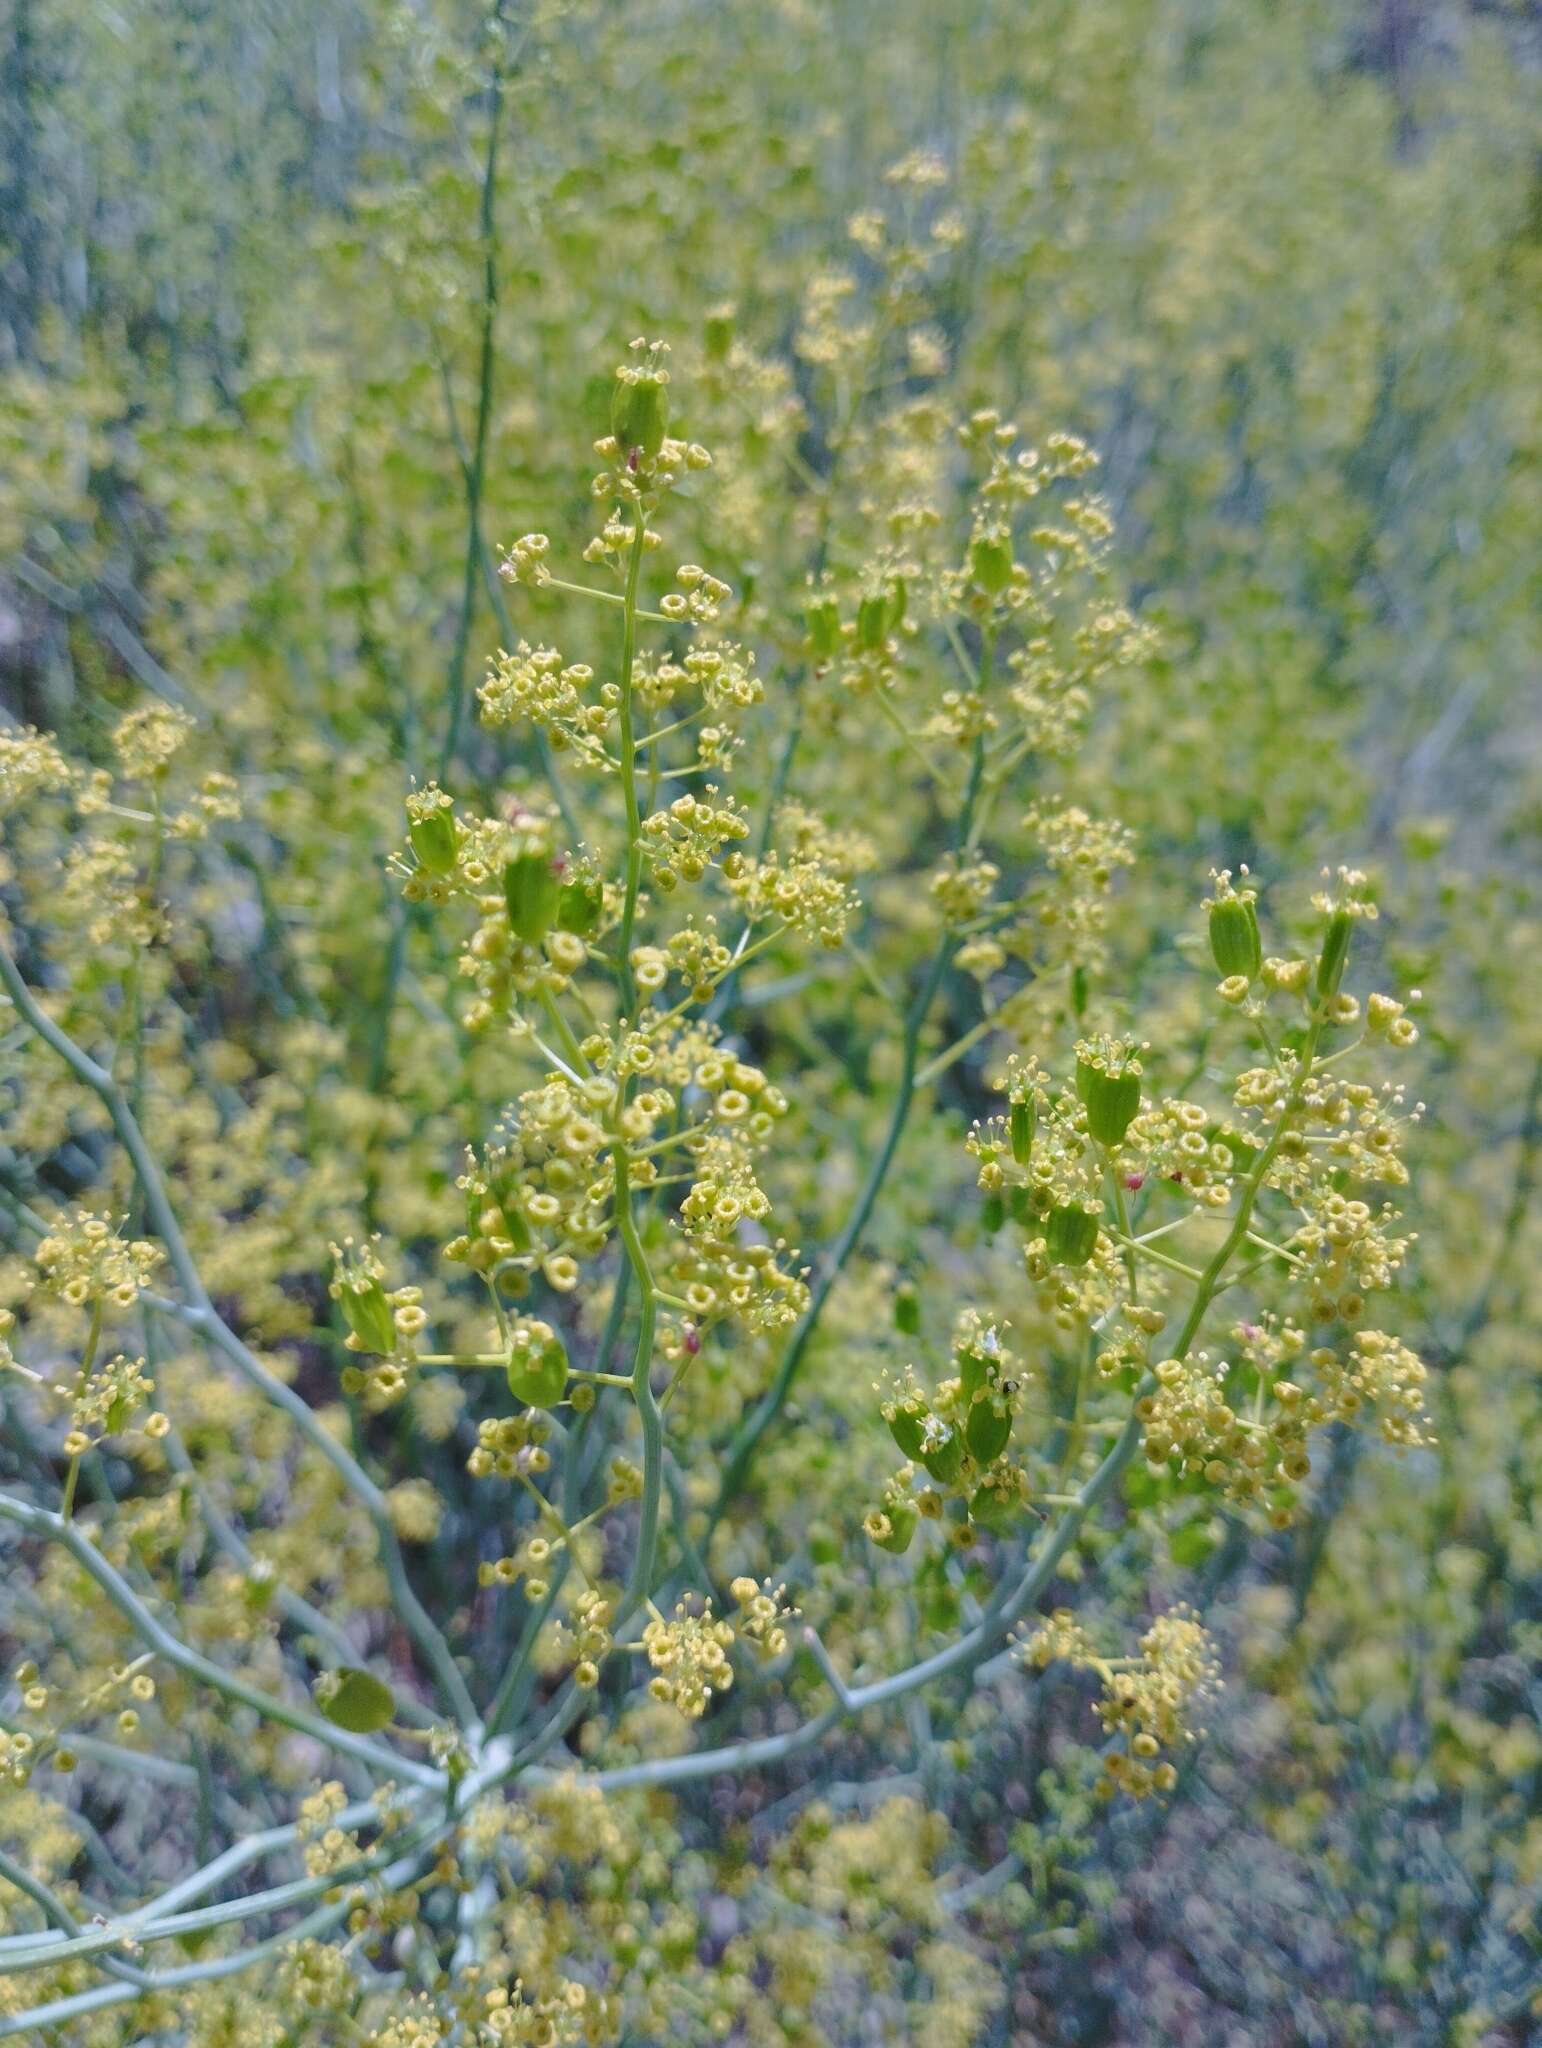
(987, 1430)
(539, 1378)
(368, 1315)
(943, 1457)
(532, 890)
(902, 1526)
(973, 1369)
(993, 1507)
(1070, 1234)
(717, 333)
(1234, 938)
(907, 1426)
(993, 1213)
(907, 1309)
(360, 1702)
(1335, 951)
(639, 413)
(822, 621)
(432, 839)
(1021, 1124)
(487, 1216)
(579, 904)
(259, 1587)
(503, 1198)
(873, 623)
(990, 562)
(1110, 1091)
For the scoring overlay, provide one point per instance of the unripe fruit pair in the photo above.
(1111, 1099)
(368, 1315)
(538, 1372)
(1070, 1234)
(432, 839)
(639, 412)
(1234, 937)
(537, 898)
(990, 562)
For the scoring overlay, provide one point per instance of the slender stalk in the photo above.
(53, 1907)
(53, 1528)
(634, 852)
(743, 1447)
(477, 470)
(199, 1313)
(640, 1580)
(87, 1360)
(507, 1698)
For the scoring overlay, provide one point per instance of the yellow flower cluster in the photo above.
(534, 686)
(1146, 1700)
(30, 763)
(83, 1260)
(689, 1656)
(802, 891)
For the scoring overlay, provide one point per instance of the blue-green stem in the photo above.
(199, 1313)
(628, 740)
(743, 1447)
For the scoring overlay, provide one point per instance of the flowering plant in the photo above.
(693, 1346)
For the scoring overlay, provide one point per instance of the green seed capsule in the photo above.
(902, 1526)
(944, 1457)
(539, 1378)
(579, 904)
(532, 891)
(432, 839)
(360, 1702)
(990, 562)
(987, 1431)
(993, 1213)
(822, 620)
(993, 1509)
(515, 1228)
(872, 623)
(1111, 1100)
(368, 1315)
(258, 1589)
(1335, 952)
(1020, 1202)
(717, 333)
(1021, 1124)
(907, 1426)
(973, 1369)
(907, 1310)
(1234, 939)
(639, 413)
(1070, 1234)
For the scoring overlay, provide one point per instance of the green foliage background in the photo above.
(308, 308)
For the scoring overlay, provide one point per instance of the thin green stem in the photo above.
(640, 1579)
(87, 1360)
(199, 1313)
(54, 1529)
(477, 471)
(743, 1447)
(628, 741)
